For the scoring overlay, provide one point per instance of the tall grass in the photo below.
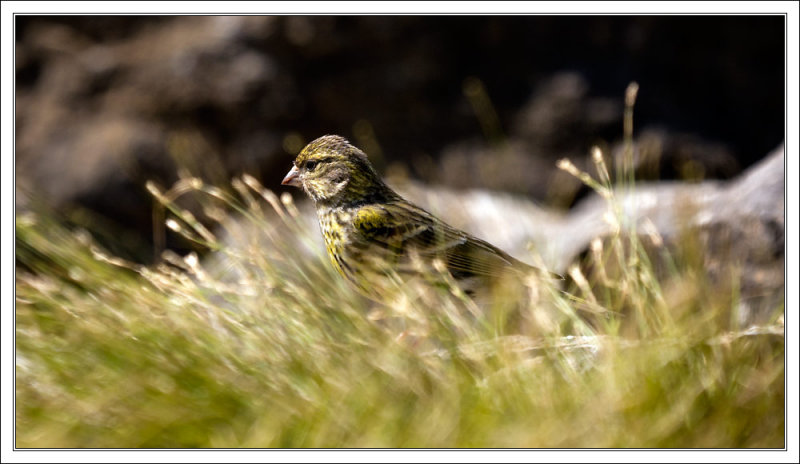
(263, 345)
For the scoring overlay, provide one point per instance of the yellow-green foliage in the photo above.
(277, 351)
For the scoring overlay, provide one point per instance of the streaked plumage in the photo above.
(371, 232)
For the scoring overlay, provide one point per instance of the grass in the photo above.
(270, 348)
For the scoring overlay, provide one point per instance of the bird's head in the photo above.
(334, 172)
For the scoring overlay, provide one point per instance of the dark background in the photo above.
(104, 104)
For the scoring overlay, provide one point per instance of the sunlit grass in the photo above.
(279, 352)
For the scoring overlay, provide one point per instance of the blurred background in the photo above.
(106, 103)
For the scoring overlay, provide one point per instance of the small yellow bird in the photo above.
(371, 232)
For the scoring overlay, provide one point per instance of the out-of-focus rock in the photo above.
(754, 198)
(512, 222)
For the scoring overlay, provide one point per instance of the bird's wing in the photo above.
(405, 230)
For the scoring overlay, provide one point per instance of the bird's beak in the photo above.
(292, 178)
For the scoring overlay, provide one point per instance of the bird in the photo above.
(377, 240)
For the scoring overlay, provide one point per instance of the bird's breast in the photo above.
(336, 228)
(347, 251)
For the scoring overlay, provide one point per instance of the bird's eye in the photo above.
(310, 165)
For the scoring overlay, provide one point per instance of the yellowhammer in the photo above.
(372, 233)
